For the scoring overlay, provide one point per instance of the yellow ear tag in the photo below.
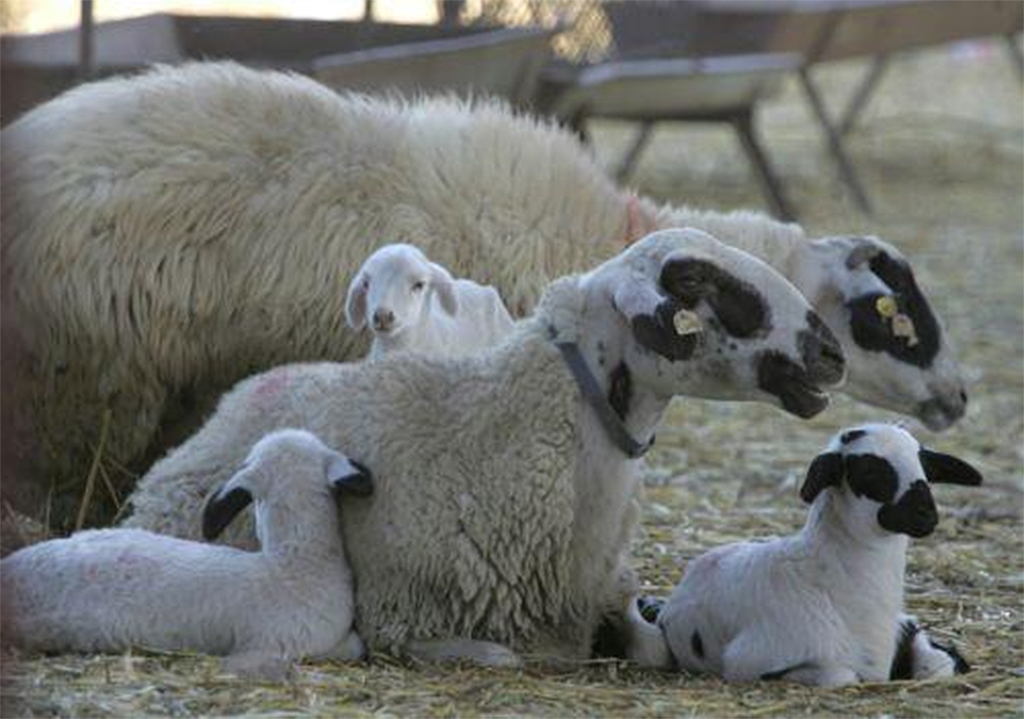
(687, 323)
(903, 326)
(886, 306)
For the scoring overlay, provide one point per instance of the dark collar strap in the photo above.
(591, 390)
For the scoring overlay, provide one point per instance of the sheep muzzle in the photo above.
(914, 514)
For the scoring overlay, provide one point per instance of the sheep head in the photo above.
(881, 477)
(896, 351)
(699, 318)
(394, 288)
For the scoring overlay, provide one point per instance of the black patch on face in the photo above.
(220, 510)
(820, 351)
(620, 390)
(872, 332)
(903, 660)
(657, 332)
(852, 436)
(780, 376)
(914, 514)
(871, 476)
(697, 645)
(738, 305)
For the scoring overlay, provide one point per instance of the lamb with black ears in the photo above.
(107, 590)
(823, 606)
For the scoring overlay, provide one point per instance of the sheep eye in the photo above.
(418, 286)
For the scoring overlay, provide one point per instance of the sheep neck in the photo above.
(873, 567)
(611, 420)
(293, 532)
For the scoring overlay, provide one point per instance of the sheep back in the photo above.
(166, 231)
(469, 530)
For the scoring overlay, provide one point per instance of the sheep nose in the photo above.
(821, 352)
(945, 407)
(383, 320)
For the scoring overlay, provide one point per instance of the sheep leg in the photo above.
(259, 664)
(488, 654)
(645, 643)
(348, 649)
(928, 659)
(830, 675)
(752, 656)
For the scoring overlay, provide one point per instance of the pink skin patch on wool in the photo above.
(271, 386)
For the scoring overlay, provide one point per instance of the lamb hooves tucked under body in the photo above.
(505, 482)
(111, 589)
(823, 606)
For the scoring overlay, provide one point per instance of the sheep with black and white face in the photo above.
(506, 481)
(823, 606)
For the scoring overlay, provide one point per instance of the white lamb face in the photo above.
(706, 320)
(393, 290)
(896, 353)
(880, 475)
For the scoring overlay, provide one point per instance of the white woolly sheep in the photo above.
(505, 481)
(110, 589)
(823, 606)
(394, 291)
(143, 220)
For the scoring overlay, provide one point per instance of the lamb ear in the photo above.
(825, 471)
(939, 468)
(355, 302)
(346, 476)
(223, 507)
(444, 285)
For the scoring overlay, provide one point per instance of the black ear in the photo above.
(825, 471)
(221, 509)
(350, 477)
(939, 468)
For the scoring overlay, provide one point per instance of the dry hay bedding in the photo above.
(950, 191)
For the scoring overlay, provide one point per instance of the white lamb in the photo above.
(108, 590)
(142, 246)
(823, 606)
(395, 290)
(505, 481)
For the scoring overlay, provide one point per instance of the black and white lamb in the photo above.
(111, 589)
(823, 606)
(505, 482)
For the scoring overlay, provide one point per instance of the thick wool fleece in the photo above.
(477, 527)
(173, 232)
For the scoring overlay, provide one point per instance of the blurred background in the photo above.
(582, 62)
(896, 118)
